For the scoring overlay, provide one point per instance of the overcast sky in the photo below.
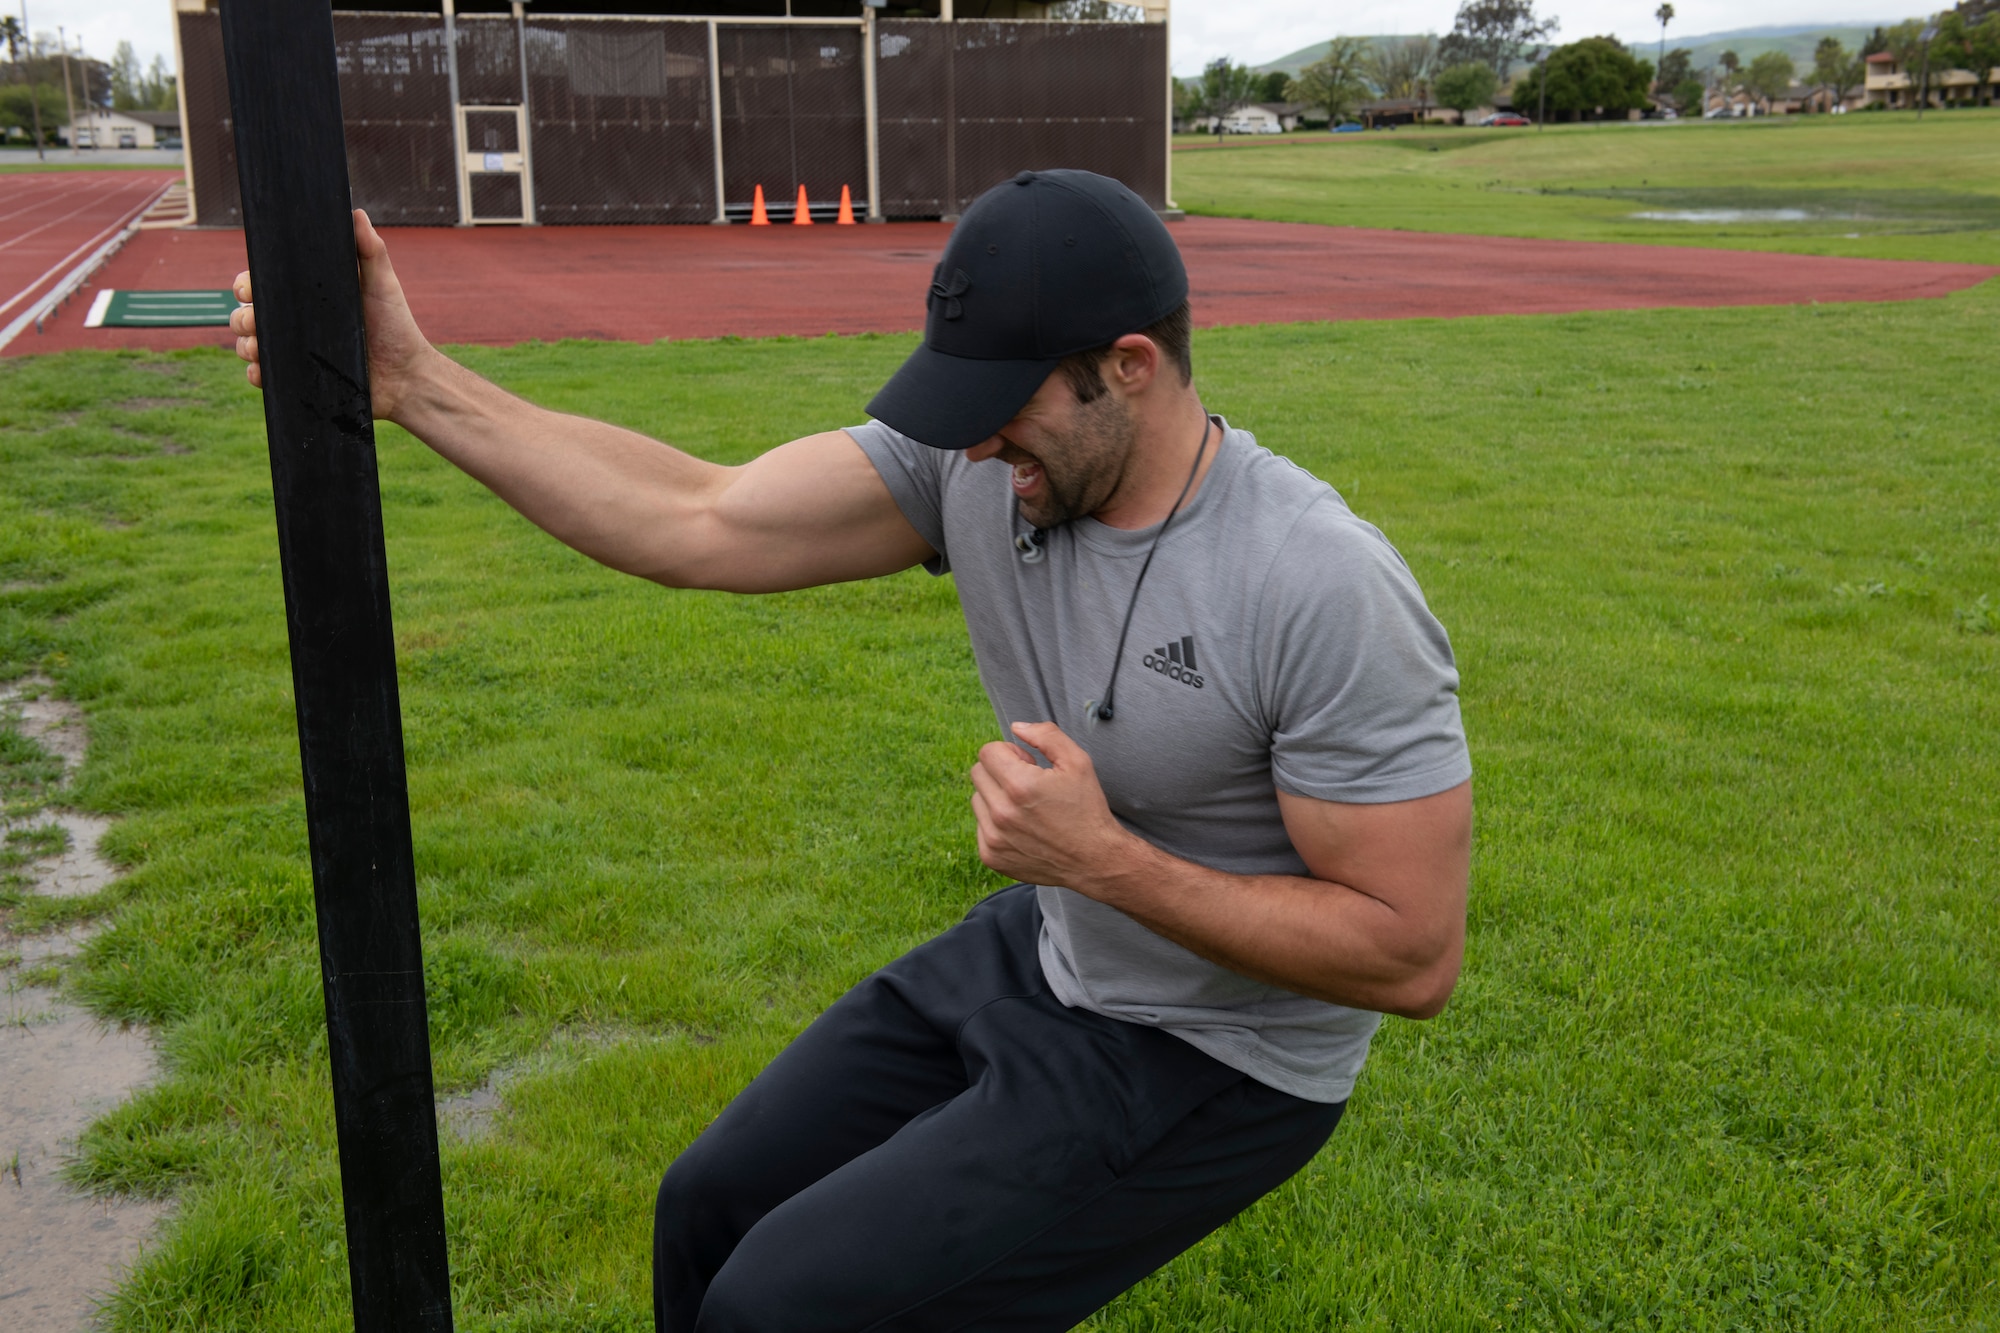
(1251, 31)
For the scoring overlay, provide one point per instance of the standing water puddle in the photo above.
(1735, 215)
(60, 1250)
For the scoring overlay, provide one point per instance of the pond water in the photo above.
(1733, 215)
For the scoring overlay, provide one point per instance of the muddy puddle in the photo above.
(61, 1251)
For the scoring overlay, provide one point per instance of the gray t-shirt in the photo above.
(1279, 642)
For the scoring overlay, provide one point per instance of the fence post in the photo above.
(284, 96)
(457, 120)
(721, 218)
(868, 98)
(528, 215)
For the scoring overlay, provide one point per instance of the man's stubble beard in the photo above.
(1081, 469)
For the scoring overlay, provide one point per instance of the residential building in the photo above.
(1899, 89)
(97, 127)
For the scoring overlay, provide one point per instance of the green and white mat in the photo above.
(116, 309)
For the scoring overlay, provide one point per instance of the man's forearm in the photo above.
(621, 498)
(1307, 935)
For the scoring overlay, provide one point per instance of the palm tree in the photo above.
(1665, 14)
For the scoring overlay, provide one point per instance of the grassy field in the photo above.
(1884, 185)
(1723, 587)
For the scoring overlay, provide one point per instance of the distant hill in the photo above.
(1796, 41)
(1305, 55)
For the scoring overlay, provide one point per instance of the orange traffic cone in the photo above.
(802, 214)
(758, 217)
(846, 218)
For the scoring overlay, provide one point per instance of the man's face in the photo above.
(1068, 456)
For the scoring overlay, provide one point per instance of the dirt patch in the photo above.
(61, 1251)
(150, 404)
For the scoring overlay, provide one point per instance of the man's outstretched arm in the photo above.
(809, 512)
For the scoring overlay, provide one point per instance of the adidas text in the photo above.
(1176, 661)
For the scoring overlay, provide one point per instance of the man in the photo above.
(1235, 794)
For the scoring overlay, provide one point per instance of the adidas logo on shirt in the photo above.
(1176, 661)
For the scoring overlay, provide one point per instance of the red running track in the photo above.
(503, 286)
(51, 221)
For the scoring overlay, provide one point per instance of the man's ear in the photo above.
(1134, 363)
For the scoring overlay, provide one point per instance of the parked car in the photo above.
(1503, 121)
(1348, 127)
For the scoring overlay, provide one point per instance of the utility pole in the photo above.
(34, 87)
(69, 102)
(89, 111)
(1542, 62)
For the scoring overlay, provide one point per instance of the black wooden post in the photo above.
(291, 159)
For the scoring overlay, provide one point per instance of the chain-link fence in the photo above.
(619, 121)
(620, 113)
(395, 97)
(962, 106)
(793, 114)
(395, 102)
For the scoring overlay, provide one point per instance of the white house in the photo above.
(1256, 118)
(99, 128)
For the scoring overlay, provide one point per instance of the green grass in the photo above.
(1877, 185)
(1723, 1056)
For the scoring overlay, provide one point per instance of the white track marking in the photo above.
(98, 307)
(13, 241)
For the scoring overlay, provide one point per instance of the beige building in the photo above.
(1899, 89)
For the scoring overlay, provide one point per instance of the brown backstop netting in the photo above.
(793, 113)
(962, 106)
(395, 98)
(489, 60)
(395, 102)
(619, 112)
(619, 121)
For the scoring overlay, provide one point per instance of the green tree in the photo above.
(1467, 85)
(1665, 15)
(1275, 87)
(1676, 68)
(1403, 68)
(1687, 96)
(1225, 88)
(126, 78)
(17, 109)
(12, 34)
(1770, 75)
(1594, 77)
(160, 91)
(1336, 83)
(1835, 68)
(1495, 32)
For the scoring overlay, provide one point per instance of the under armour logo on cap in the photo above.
(960, 285)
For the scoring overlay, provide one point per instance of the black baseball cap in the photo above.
(1044, 265)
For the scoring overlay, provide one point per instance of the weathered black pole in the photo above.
(291, 160)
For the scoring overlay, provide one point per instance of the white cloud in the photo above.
(1254, 31)
(102, 24)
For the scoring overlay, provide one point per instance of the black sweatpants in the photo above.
(948, 1147)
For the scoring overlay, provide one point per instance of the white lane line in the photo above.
(95, 319)
(81, 208)
(44, 198)
(128, 227)
(55, 268)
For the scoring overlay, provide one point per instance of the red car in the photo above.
(1497, 121)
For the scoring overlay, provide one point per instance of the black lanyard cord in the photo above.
(1100, 710)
